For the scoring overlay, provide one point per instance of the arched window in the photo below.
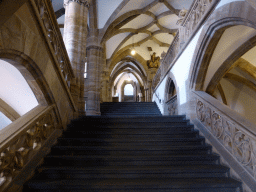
(128, 89)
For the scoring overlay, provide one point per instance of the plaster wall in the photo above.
(231, 40)
(180, 70)
(20, 34)
(240, 97)
(14, 89)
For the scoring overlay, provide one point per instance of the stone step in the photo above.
(133, 172)
(130, 142)
(114, 160)
(130, 150)
(156, 185)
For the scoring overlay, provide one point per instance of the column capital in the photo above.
(80, 2)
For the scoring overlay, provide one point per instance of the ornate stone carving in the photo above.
(55, 41)
(81, 2)
(242, 148)
(182, 15)
(15, 154)
(172, 105)
(233, 136)
(194, 16)
(171, 54)
(217, 127)
(156, 79)
(199, 110)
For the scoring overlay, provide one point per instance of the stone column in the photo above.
(75, 32)
(94, 59)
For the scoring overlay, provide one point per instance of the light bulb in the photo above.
(133, 52)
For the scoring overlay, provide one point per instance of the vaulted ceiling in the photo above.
(134, 24)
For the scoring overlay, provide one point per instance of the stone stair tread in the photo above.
(135, 151)
(171, 183)
(183, 168)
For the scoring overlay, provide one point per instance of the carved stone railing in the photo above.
(156, 79)
(171, 105)
(197, 14)
(171, 53)
(53, 33)
(22, 139)
(194, 19)
(235, 133)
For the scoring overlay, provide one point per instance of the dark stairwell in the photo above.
(131, 147)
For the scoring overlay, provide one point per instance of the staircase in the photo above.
(129, 109)
(118, 152)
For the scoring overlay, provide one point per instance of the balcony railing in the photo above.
(51, 29)
(191, 23)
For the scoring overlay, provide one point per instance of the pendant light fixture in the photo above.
(133, 52)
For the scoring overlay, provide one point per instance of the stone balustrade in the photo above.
(51, 30)
(195, 17)
(156, 79)
(171, 105)
(22, 140)
(234, 132)
(190, 24)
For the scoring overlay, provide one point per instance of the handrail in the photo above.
(22, 139)
(171, 99)
(237, 134)
(50, 27)
(194, 19)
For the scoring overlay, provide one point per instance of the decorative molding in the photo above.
(231, 133)
(80, 2)
(27, 139)
(197, 13)
(54, 36)
(156, 79)
(172, 105)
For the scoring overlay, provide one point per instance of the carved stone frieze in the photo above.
(232, 135)
(156, 79)
(15, 154)
(80, 2)
(194, 16)
(172, 106)
(55, 41)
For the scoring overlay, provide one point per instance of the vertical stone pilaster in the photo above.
(95, 60)
(75, 31)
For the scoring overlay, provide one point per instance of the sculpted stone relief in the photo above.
(18, 151)
(156, 79)
(241, 145)
(172, 106)
(194, 16)
(55, 41)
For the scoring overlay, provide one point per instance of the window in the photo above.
(85, 70)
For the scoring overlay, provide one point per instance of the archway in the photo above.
(223, 63)
(22, 87)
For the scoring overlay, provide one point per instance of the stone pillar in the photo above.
(75, 32)
(94, 59)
